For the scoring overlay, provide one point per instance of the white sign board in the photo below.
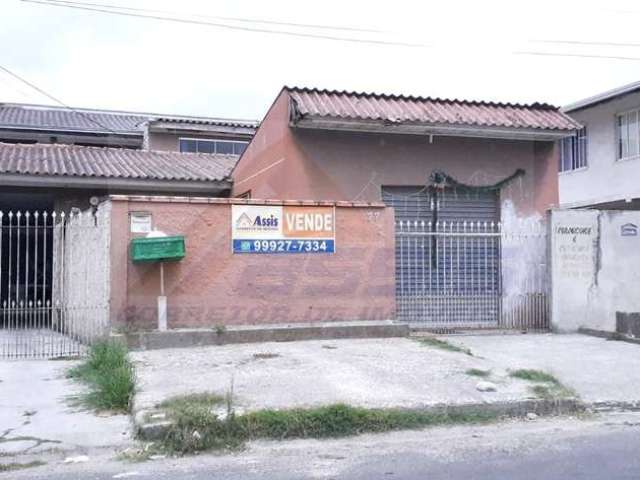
(140, 222)
(282, 229)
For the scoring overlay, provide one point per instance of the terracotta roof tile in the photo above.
(403, 109)
(79, 161)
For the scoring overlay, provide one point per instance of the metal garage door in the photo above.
(447, 255)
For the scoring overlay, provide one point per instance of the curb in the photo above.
(152, 431)
(185, 338)
(614, 336)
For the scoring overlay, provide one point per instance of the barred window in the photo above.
(573, 151)
(628, 133)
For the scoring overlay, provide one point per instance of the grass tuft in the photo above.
(443, 345)
(12, 467)
(549, 387)
(109, 375)
(476, 372)
(206, 399)
(534, 376)
(196, 428)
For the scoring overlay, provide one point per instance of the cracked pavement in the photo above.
(37, 412)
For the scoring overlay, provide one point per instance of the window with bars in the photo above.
(227, 147)
(628, 133)
(573, 151)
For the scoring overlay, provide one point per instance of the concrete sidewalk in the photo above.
(599, 370)
(394, 372)
(36, 414)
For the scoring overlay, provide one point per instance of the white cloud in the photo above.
(98, 60)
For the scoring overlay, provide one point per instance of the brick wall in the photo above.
(212, 286)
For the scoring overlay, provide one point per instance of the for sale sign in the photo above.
(282, 229)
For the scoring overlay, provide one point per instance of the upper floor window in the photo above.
(228, 147)
(628, 126)
(573, 151)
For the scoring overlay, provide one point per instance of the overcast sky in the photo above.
(455, 49)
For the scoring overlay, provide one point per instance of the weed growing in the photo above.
(206, 399)
(443, 345)
(476, 372)
(534, 376)
(110, 376)
(12, 467)
(548, 386)
(195, 427)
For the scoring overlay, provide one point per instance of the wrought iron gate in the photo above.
(471, 274)
(53, 282)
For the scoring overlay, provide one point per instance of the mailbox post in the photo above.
(157, 247)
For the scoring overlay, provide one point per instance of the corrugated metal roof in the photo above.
(210, 121)
(398, 109)
(65, 119)
(82, 120)
(79, 161)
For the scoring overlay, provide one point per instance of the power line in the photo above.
(55, 99)
(578, 55)
(589, 43)
(227, 26)
(217, 17)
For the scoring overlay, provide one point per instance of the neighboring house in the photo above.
(52, 157)
(451, 169)
(600, 165)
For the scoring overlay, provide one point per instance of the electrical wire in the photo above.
(588, 43)
(227, 26)
(577, 55)
(217, 17)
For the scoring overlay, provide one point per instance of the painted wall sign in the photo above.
(282, 229)
(629, 230)
(574, 251)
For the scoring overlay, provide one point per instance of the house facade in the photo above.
(600, 165)
(322, 145)
(457, 174)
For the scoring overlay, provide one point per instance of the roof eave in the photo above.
(602, 97)
(71, 131)
(200, 128)
(110, 183)
(414, 128)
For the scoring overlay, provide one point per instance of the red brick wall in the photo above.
(212, 286)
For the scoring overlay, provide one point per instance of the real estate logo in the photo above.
(259, 223)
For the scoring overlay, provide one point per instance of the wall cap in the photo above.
(242, 201)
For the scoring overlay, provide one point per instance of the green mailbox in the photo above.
(157, 249)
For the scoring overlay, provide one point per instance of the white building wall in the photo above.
(85, 283)
(604, 179)
(595, 268)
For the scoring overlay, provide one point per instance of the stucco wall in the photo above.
(595, 269)
(81, 276)
(212, 286)
(290, 163)
(605, 179)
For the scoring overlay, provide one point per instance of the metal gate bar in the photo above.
(453, 274)
(46, 259)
